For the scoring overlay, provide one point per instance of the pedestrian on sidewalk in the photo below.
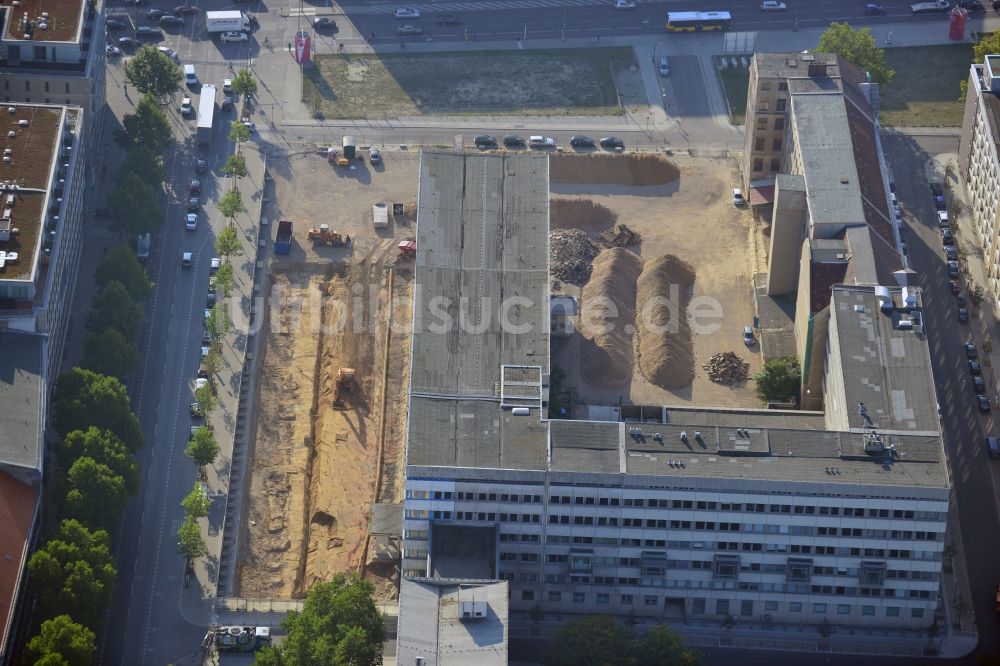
(289, 47)
(230, 65)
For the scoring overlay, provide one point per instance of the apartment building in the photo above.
(979, 164)
(697, 513)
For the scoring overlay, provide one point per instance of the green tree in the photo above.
(218, 323)
(227, 243)
(96, 496)
(146, 164)
(205, 399)
(109, 353)
(235, 167)
(231, 205)
(83, 398)
(339, 626)
(662, 646)
(239, 133)
(856, 46)
(196, 504)
(598, 640)
(112, 306)
(153, 72)
(244, 83)
(147, 127)
(779, 381)
(121, 265)
(988, 44)
(62, 641)
(189, 541)
(74, 573)
(212, 362)
(134, 208)
(224, 279)
(103, 446)
(202, 448)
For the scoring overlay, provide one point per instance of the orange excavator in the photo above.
(322, 235)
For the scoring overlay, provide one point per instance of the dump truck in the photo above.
(930, 7)
(206, 114)
(407, 249)
(322, 235)
(349, 150)
(344, 386)
(283, 239)
(237, 639)
(227, 21)
(380, 216)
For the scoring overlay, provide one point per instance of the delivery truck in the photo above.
(206, 114)
(283, 239)
(227, 21)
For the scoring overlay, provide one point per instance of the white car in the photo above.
(772, 6)
(233, 36)
(249, 124)
(204, 351)
(112, 51)
(407, 13)
(170, 53)
(624, 4)
(192, 222)
(227, 86)
(213, 265)
(186, 108)
(201, 382)
(738, 199)
(541, 142)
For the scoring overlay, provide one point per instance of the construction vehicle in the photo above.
(283, 239)
(408, 248)
(322, 235)
(348, 151)
(380, 215)
(236, 638)
(344, 385)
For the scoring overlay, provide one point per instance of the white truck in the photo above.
(227, 21)
(930, 7)
(206, 114)
(380, 216)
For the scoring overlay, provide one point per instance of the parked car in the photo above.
(186, 259)
(955, 286)
(409, 30)
(513, 141)
(664, 66)
(978, 385)
(181, 10)
(950, 253)
(485, 142)
(580, 141)
(194, 204)
(186, 108)
(194, 187)
(214, 264)
(407, 13)
(127, 43)
(947, 236)
(541, 142)
(963, 315)
(191, 221)
(970, 349)
(148, 32)
(748, 338)
(971, 5)
(154, 14)
(200, 166)
(249, 124)
(872, 9)
(960, 300)
(773, 6)
(983, 403)
(975, 368)
(612, 143)
(624, 4)
(169, 52)
(374, 157)
(449, 19)
(112, 51)
(227, 86)
(738, 199)
(114, 24)
(233, 36)
(196, 409)
(953, 268)
(325, 23)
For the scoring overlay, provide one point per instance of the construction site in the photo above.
(330, 414)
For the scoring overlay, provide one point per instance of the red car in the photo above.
(956, 287)
(181, 10)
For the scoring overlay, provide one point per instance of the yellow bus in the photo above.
(698, 21)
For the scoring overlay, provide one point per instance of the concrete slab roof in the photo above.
(18, 502)
(21, 396)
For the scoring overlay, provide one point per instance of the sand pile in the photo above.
(580, 214)
(664, 348)
(607, 169)
(607, 309)
(571, 252)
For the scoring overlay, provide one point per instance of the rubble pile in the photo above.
(570, 255)
(727, 368)
(620, 236)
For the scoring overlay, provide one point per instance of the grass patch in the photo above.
(531, 82)
(735, 82)
(924, 92)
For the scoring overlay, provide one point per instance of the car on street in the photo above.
(204, 351)
(943, 220)
(624, 4)
(325, 23)
(978, 385)
(135, 3)
(200, 166)
(112, 51)
(195, 409)
(374, 157)
(612, 143)
(960, 300)
(194, 204)
(213, 265)
(114, 24)
(947, 236)
(154, 14)
(955, 286)
(186, 108)
(664, 66)
(485, 142)
(449, 19)
(972, 5)
(227, 101)
(738, 199)
(970, 349)
(206, 337)
(541, 142)
(148, 32)
(186, 259)
(201, 382)
(872, 9)
(407, 13)
(194, 187)
(983, 403)
(249, 124)
(748, 338)
(773, 6)
(191, 221)
(409, 30)
(580, 141)
(233, 36)
(950, 253)
(227, 86)
(513, 141)
(210, 299)
(127, 43)
(953, 268)
(975, 368)
(963, 315)
(169, 52)
(181, 10)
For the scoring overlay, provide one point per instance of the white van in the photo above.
(190, 76)
(142, 243)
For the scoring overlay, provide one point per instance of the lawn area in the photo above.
(553, 82)
(924, 92)
(734, 84)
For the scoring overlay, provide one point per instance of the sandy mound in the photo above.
(580, 214)
(606, 169)
(664, 350)
(607, 318)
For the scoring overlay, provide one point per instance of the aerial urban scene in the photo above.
(482, 332)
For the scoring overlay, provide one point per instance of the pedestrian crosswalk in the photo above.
(304, 11)
(485, 5)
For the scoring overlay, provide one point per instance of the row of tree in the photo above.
(600, 640)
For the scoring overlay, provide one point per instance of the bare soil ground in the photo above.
(320, 465)
(691, 218)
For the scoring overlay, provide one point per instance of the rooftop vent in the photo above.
(11, 134)
(23, 122)
(11, 109)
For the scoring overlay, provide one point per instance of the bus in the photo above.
(698, 21)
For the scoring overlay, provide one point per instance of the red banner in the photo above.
(956, 23)
(303, 47)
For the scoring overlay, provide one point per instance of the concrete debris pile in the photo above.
(620, 236)
(570, 255)
(727, 368)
